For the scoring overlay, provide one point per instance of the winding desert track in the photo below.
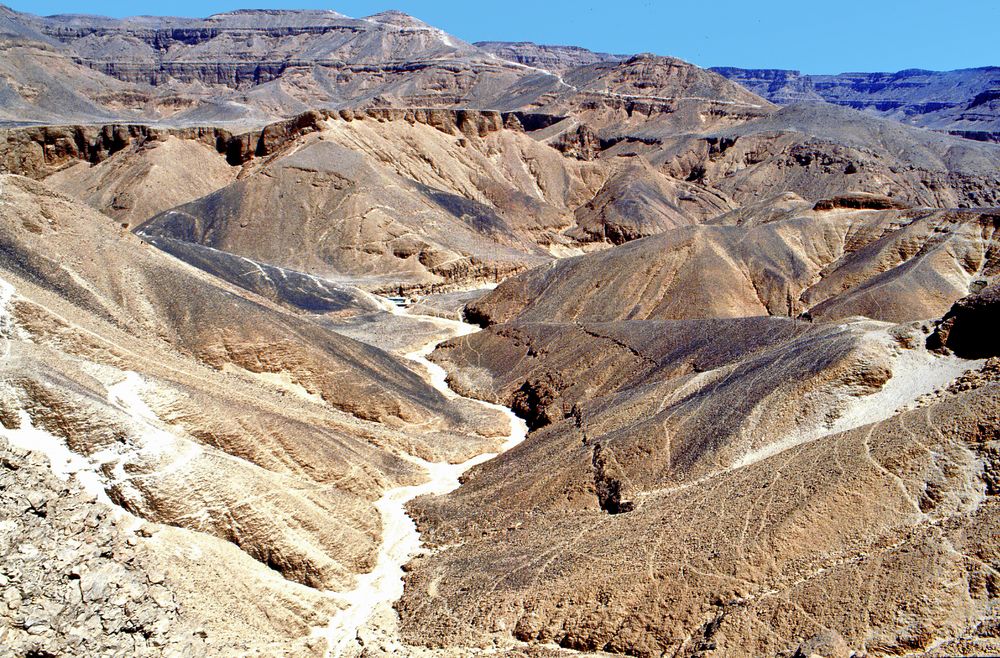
(379, 589)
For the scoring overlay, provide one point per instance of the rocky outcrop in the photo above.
(76, 578)
(535, 402)
(859, 201)
(969, 327)
(38, 152)
(608, 482)
(550, 58)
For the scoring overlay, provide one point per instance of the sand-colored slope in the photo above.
(160, 392)
(889, 265)
(743, 486)
(383, 201)
(137, 183)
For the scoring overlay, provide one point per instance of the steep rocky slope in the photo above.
(80, 578)
(40, 82)
(394, 198)
(820, 151)
(746, 486)
(135, 184)
(179, 394)
(894, 265)
(867, 540)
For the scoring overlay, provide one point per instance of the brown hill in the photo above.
(183, 393)
(753, 486)
(890, 265)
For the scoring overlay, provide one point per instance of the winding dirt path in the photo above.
(378, 590)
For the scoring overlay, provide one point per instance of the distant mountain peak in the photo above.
(398, 19)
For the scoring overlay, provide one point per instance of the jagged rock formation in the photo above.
(966, 327)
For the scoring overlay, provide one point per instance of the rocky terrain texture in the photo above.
(383, 197)
(963, 102)
(74, 581)
(749, 343)
(678, 492)
(81, 578)
(213, 411)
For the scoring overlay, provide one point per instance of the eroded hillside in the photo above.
(664, 368)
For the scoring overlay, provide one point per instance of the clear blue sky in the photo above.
(814, 36)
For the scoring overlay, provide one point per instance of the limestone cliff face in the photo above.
(940, 100)
(550, 58)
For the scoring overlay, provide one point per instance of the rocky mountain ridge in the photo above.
(734, 391)
(961, 102)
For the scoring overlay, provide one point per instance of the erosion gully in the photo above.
(379, 589)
